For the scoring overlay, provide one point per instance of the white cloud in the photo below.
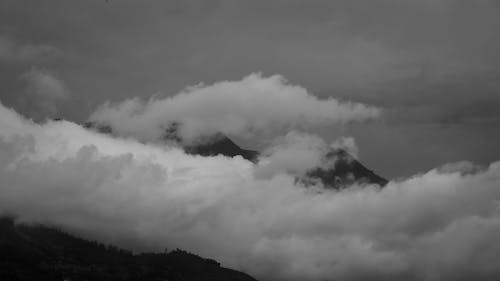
(44, 90)
(295, 153)
(255, 105)
(11, 51)
(441, 225)
(44, 84)
(348, 144)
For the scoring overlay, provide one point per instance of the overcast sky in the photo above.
(432, 66)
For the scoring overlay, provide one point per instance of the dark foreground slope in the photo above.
(43, 253)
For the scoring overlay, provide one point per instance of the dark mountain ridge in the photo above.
(342, 171)
(37, 252)
(221, 144)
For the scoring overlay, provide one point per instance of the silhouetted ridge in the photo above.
(343, 171)
(221, 144)
(37, 252)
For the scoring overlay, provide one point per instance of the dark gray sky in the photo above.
(433, 66)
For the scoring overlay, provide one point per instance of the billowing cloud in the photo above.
(295, 153)
(44, 84)
(348, 144)
(12, 51)
(43, 91)
(441, 225)
(253, 105)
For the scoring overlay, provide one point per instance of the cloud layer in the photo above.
(441, 225)
(253, 105)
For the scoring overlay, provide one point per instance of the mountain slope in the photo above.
(43, 253)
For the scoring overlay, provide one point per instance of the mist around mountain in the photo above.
(343, 171)
(340, 171)
(38, 252)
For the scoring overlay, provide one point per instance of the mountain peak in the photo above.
(340, 171)
(221, 144)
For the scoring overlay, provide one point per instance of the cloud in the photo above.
(348, 144)
(44, 84)
(255, 105)
(11, 51)
(440, 225)
(295, 153)
(44, 90)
